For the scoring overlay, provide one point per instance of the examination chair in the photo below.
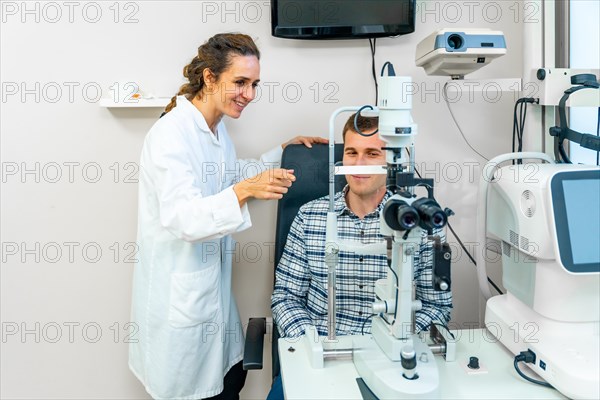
(311, 167)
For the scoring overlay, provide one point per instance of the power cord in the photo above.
(445, 327)
(528, 357)
(389, 263)
(471, 258)
(563, 153)
(598, 134)
(373, 44)
(362, 329)
(519, 126)
(445, 95)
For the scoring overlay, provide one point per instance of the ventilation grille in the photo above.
(514, 238)
(506, 248)
(524, 243)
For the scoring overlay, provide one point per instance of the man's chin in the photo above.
(363, 188)
(359, 191)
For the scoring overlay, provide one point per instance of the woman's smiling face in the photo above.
(236, 86)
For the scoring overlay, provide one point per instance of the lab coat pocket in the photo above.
(194, 297)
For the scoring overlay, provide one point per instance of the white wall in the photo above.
(57, 292)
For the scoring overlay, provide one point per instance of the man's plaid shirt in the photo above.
(300, 295)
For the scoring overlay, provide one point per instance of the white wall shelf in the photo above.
(158, 102)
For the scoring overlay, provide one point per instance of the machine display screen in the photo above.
(576, 198)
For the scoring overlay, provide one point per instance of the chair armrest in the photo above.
(253, 350)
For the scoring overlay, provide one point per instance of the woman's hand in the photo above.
(269, 185)
(306, 140)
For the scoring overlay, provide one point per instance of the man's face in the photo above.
(360, 150)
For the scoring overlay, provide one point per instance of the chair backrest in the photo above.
(311, 168)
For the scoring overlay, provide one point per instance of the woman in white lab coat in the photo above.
(189, 342)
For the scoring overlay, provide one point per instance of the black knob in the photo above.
(541, 74)
(555, 131)
(473, 363)
(408, 358)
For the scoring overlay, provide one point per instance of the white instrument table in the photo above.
(496, 379)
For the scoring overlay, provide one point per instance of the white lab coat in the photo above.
(190, 332)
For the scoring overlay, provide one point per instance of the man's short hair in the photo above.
(365, 124)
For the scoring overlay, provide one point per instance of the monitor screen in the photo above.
(576, 199)
(341, 19)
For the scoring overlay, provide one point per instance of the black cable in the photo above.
(522, 357)
(519, 124)
(460, 241)
(520, 130)
(515, 128)
(523, 116)
(598, 134)
(563, 154)
(522, 111)
(362, 330)
(389, 263)
(445, 96)
(472, 259)
(445, 327)
(390, 66)
(373, 45)
(356, 128)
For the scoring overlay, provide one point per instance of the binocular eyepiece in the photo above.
(400, 216)
(424, 212)
(431, 214)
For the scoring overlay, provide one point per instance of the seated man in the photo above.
(300, 295)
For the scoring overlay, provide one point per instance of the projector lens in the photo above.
(455, 41)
